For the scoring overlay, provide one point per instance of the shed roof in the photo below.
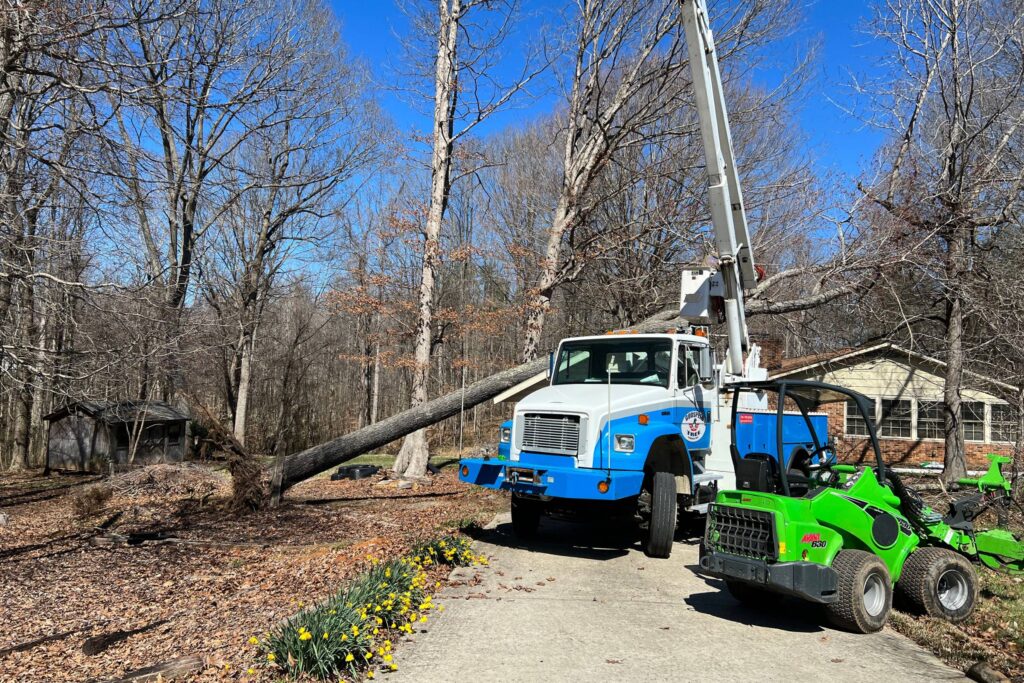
(121, 411)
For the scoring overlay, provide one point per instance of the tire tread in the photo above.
(846, 612)
(662, 528)
(916, 581)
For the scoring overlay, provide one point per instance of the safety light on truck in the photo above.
(465, 471)
(506, 434)
(602, 486)
(625, 443)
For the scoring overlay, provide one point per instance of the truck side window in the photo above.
(687, 374)
(574, 367)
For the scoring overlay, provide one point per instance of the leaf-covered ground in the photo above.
(995, 631)
(203, 581)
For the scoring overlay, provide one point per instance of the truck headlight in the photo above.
(506, 434)
(624, 443)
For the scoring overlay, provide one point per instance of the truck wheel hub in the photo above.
(874, 595)
(952, 590)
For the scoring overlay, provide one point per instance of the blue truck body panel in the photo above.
(755, 433)
(556, 476)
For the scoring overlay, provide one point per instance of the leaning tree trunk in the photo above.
(292, 469)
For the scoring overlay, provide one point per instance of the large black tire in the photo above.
(940, 583)
(525, 517)
(662, 528)
(864, 594)
(752, 596)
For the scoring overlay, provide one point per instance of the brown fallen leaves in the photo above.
(217, 578)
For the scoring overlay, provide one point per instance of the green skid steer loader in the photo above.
(843, 535)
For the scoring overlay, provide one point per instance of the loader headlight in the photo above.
(625, 443)
(506, 434)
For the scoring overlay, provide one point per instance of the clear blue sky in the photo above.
(836, 141)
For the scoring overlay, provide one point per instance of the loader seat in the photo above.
(758, 472)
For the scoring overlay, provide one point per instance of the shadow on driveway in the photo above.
(785, 614)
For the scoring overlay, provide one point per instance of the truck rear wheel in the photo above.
(864, 593)
(525, 517)
(662, 528)
(940, 583)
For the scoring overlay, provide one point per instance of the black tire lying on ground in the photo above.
(355, 472)
(940, 583)
(864, 593)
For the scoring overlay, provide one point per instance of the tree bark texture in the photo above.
(412, 458)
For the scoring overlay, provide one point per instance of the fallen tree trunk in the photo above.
(292, 469)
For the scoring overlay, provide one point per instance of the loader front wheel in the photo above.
(940, 583)
(864, 592)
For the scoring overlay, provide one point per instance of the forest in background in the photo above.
(204, 202)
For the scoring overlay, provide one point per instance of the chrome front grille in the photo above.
(559, 434)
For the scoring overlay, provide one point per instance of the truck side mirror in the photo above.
(705, 365)
(551, 364)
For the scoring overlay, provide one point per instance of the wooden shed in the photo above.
(90, 436)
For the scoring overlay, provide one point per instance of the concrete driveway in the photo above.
(570, 608)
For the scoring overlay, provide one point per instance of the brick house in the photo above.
(907, 391)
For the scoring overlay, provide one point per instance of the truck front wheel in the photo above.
(940, 583)
(864, 593)
(662, 527)
(525, 516)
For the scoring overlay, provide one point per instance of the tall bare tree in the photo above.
(952, 99)
(627, 77)
(285, 184)
(466, 92)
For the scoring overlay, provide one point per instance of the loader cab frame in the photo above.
(774, 473)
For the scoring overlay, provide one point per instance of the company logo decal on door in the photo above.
(694, 425)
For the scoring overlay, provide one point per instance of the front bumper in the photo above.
(550, 480)
(806, 580)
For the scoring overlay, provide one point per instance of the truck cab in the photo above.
(619, 411)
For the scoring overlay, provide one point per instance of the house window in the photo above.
(972, 419)
(931, 424)
(855, 423)
(896, 418)
(1004, 423)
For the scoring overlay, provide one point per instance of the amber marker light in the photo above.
(602, 486)
(465, 471)
(643, 419)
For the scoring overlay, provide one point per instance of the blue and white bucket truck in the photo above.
(639, 423)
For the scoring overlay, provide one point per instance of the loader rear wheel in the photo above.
(525, 517)
(864, 592)
(662, 528)
(940, 583)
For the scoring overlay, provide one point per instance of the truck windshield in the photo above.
(628, 361)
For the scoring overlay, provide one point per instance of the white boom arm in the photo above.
(728, 218)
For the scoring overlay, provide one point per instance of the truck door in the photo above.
(691, 404)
